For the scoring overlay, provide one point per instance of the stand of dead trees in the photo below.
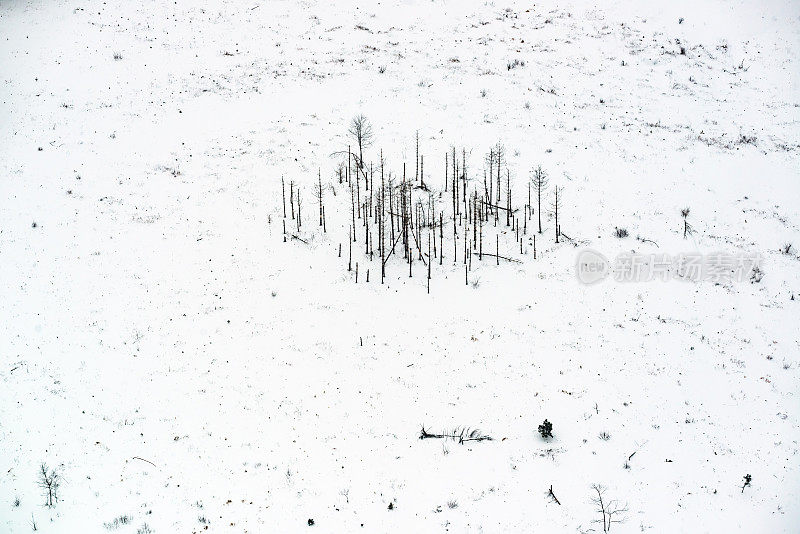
(399, 218)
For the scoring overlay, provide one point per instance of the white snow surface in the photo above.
(179, 364)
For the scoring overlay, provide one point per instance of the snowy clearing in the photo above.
(179, 366)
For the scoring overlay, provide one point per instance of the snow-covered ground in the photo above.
(181, 366)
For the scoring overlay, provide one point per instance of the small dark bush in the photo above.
(756, 275)
(546, 429)
(621, 232)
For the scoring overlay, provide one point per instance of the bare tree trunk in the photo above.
(539, 207)
(319, 177)
(283, 194)
(441, 237)
(291, 197)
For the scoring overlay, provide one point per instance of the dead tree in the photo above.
(500, 153)
(291, 197)
(49, 481)
(441, 237)
(508, 198)
(687, 228)
(539, 184)
(283, 195)
(445, 171)
(555, 206)
(391, 210)
(381, 223)
(490, 192)
(299, 220)
(361, 131)
(611, 511)
(459, 434)
(318, 193)
(353, 209)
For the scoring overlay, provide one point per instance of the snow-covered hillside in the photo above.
(182, 368)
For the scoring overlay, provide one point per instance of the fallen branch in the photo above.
(553, 495)
(148, 461)
(299, 239)
(501, 257)
(643, 240)
(461, 435)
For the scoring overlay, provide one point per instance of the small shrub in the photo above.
(747, 480)
(144, 529)
(747, 139)
(546, 429)
(118, 522)
(382, 69)
(16, 502)
(605, 436)
(621, 232)
(756, 275)
(452, 504)
(514, 64)
(787, 248)
(117, 56)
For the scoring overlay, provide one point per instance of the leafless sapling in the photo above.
(361, 131)
(610, 510)
(687, 228)
(556, 206)
(49, 481)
